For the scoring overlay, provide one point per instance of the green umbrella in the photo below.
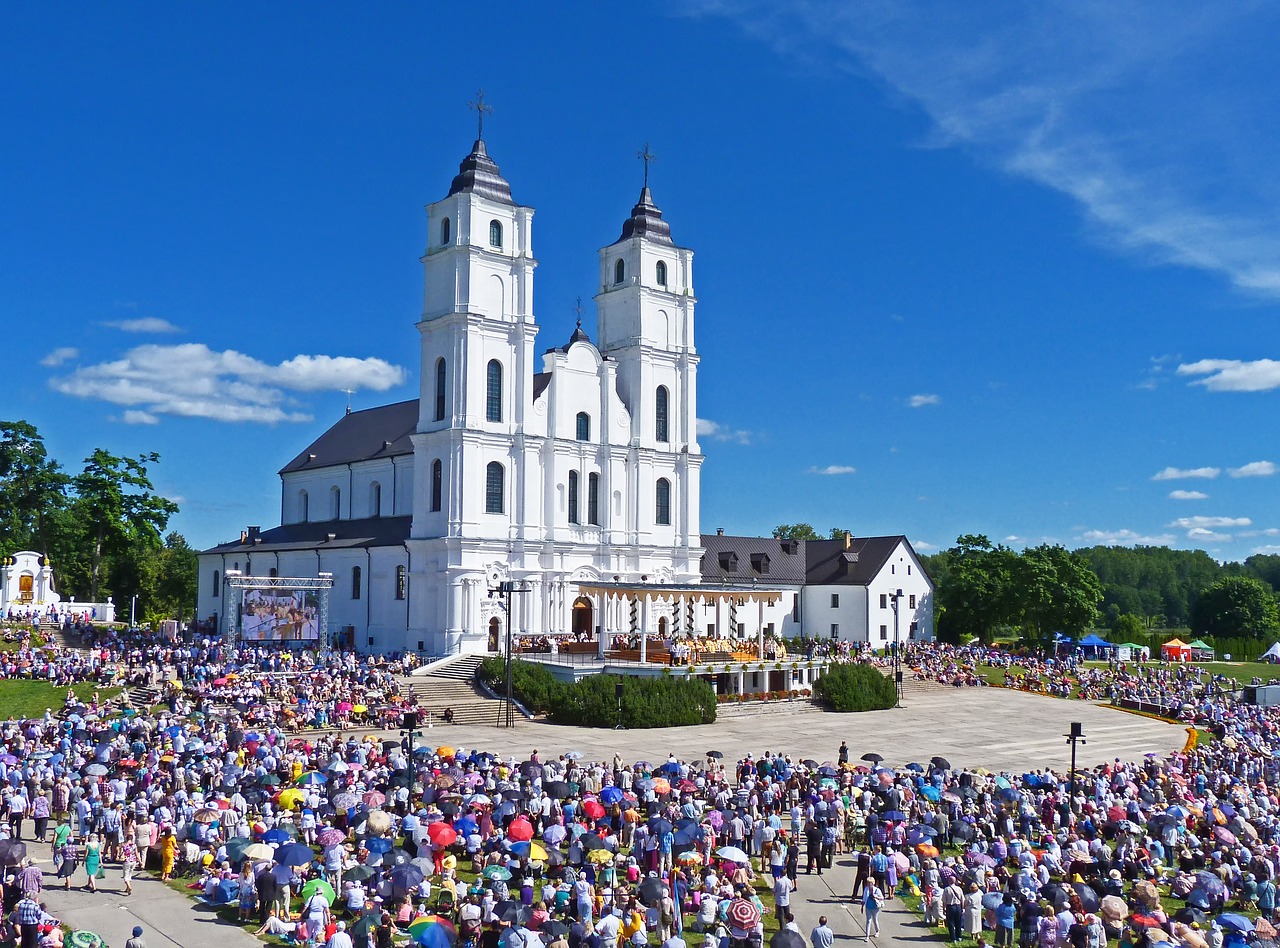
(365, 925)
(497, 872)
(236, 847)
(321, 886)
(84, 939)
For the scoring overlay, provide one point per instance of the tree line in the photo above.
(989, 590)
(102, 527)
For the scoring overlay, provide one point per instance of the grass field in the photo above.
(20, 698)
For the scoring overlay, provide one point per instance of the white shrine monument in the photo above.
(27, 588)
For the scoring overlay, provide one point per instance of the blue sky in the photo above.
(1012, 269)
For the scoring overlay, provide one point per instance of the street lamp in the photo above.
(133, 605)
(505, 589)
(1074, 736)
(897, 646)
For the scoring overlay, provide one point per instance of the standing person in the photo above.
(864, 872)
(128, 863)
(40, 812)
(813, 846)
(28, 915)
(842, 757)
(953, 910)
(17, 812)
(67, 858)
(781, 896)
(93, 861)
(137, 940)
(822, 936)
(871, 904)
(168, 852)
(973, 911)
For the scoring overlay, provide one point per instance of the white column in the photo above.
(644, 628)
(760, 627)
(598, 605)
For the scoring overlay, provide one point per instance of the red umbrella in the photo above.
(520, 830)
(743, 913)
(593, 809)
(442, 834)
(374, 799)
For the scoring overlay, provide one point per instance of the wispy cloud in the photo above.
(147, 324)
(1125, 538)
(1079, 98)
(1254, 469)
(1207, 536)
(1209, 523)
(59, 356)
(1188, 495)
(920, 401)
(1183, 473)
(194, 381)
(833, 469)
(715, 431)
(1234, 375)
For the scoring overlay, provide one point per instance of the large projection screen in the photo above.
(280, 615)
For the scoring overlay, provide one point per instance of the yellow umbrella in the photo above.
(360, 708)
(600, 856)
(537, 853)
(444, 750)
(291, 798)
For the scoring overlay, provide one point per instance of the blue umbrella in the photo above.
(918, 768)
(660, 826)
(404, 878)
(294, 854)
(1237, 922)
(520, 848)
(931, 793)
(466, 826)
(893, 816)
(610, 795)
(435, 936)
(671, 767)
(275, 837)
(282, 874)
(378, 844)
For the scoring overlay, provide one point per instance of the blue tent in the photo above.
(1095, 644)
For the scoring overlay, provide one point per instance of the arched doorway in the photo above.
(583, 616)
(495, 629)
(662, 627)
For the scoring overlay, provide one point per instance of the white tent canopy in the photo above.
(1272, 653)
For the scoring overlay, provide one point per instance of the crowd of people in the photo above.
(325, 835)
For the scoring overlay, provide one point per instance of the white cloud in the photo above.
(923, 545)
(1268, 550)
(1181, 473)
(718, 432)
(1125, 538)
(1268, 532)
(834, 469)
(194, 381)
(1188, 495)
(148, 324)
(1254, 469)
(920, 401)
(1079, 98)
(59, 356)
(1207, 536)
(135, 417)
(1208, 523)
(1233, 375)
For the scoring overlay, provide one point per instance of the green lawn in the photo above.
(20, 698)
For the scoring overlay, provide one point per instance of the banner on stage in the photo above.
(280, 615)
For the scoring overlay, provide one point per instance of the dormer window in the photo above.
(444, 232)
(495, 234)
(619, 273)
(662, 273)
(760, 563)
(729, 562)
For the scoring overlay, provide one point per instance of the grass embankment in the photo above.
(24, 698)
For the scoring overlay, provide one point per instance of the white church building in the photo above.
(575, 482)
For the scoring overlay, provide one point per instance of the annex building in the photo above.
(569, 479)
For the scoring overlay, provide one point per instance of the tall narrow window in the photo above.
(593, 499)
(355, 582)
(217, 584)
(444, 232)
(375, 499)
(661, 409)
(402, 582)
(272, 572)
(494, 488)
(619, 272)
(440, 374)
(437, 485)
(584, 426)
(495, 234)
(304, 506)
(573, 497)
(493, 392)
(335, 503)
(662, 273)
(662, 502)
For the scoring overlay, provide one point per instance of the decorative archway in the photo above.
(662, 627)
(495, 633)
(583, 616)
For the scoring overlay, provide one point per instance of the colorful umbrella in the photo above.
(744, 914)
(331, 837)
(442, 834)
(321, 886)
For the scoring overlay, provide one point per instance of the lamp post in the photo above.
(133, 605)
(897, 647)
(503, 593)
(1075, 735)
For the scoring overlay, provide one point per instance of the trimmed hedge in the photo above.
(663, 701)
(855, 687)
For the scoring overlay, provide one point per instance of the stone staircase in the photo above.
(53, 634)
(452, 684)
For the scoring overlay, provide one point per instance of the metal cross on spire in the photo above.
(480, 108)
(579, 311)
(646, 156)
(350, 392)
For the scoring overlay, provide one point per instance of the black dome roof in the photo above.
(479, 174)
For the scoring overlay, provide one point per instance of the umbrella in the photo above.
(258, 852)
(379, 821)
(360, 872)
(277, 836)
(442, 834)
(553, 928)
(1114, 908)
(1236, 922)
(312, 778)
(732, 854)
(600, 856)
(594, 810)
(689, 858)
(992, 900)
(520, 830)
(294, 854)
(531, 769)
(660, 826)
(366, 924)
(1190, 915)
(396, 857)
(507, 910)
(715, 755)
(330, 837)
(651, 891)
(290, 798)
(1088, 896)
(337, 767)
(96, 770)
(872, 758)
(497, 872)
(743, 914)
(940, 762)
(917, 768)
(558, 789)
(610, 796)
(786, 938)
(319, 885)
(438, 935)
(374, 799)
(12, 852)
(206, 815)
(404, 878)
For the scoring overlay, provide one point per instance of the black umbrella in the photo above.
(591, 841)
(872, 757)
(397, 857)
(1055, 895)
(531, 769)
(1190, 915)
(786, 938)
(940, 762)
(1088, 896)
(553, 928)
(717, 755)
(507, 910)
(360, 872)
(962, 832)
(558, 789)
(555, 858)
(651, 891)
(810, 763)
(12, 852)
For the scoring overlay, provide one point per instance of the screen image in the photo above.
(280, 615)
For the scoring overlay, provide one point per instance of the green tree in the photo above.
(1237, 607)
(32, 489)
(168, 577)
(1127, 628)
(795, 531)
(122, 515)
(1057, 591)
(977, 595)
(837, 533)
(1266, 567)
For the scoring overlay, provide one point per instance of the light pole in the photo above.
(1075, 735)
(133, 605)
(897, 646)
(503, 592)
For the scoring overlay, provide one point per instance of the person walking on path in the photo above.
(28, 916)
(128, 863)
(953, 910)
(93, 862)
(822, 936)
(864, 871)
(137, 940)
(871, 905)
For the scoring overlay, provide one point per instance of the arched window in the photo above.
(440, 373)
(375, 499)
(495, 234)
(584, 426)
(402, 582)
(494, 488)
(573, 497)
(304, 506)
(335, 503)
(444, 232)
(493, 392)
(619, 272)
(661, 405)
(662, 502)
(662, 272)
(593, 499)
(355, 582)
(217, 584)
(437, 485)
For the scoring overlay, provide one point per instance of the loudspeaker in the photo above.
(897, 676)
(617, 690)
(410, 719)
(1076, 729)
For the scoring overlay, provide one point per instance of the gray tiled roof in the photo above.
(373, 531)
(784, 567)
(362, 436)
(830, 564)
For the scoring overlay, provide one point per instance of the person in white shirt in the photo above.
(340, 938)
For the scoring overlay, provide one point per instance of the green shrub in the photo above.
(532, 684)
(855, 687)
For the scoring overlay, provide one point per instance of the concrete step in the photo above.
(734, 709)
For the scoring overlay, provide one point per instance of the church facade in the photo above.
(581, 471)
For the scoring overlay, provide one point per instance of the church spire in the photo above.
(646, 220)
(478, 173)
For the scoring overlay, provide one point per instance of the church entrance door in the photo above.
(495, 627)
(582, 617)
